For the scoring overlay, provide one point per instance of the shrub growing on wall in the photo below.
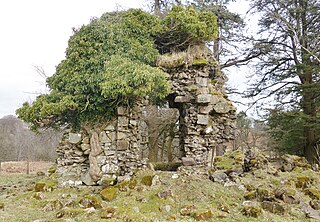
(111, 62)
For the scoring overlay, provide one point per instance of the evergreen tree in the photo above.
(289, 69)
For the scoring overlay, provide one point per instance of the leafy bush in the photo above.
(111, 62)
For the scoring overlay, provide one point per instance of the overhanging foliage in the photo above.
(111, 62)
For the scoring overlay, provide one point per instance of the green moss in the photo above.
(250, 195)
(91, 201)
(264, 194)
(147, 180)
(70, 212)
(252, 211)
(107, 181)
(107, 213)
(187, 210)
(39, 186)
(202, 214)
(52, 169)
(303, 181)
(1, 206)
(273, 207)
(122, 186)
(133, 183)
(109, 193)
(313, 193)
(229, 161)
(199, 62)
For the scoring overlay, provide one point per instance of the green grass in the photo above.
(142, 203)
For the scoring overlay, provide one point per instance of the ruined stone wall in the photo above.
(117, 148)
(97, 154)
(206, 115)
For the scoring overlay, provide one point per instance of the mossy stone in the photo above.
(273, 207)
(107, 213)
(187, 210)
(109, 193)
(52, 169)
(303, 181)
(313, 193)
(287, 195)
(199, 62)
(147, 180)
(123, 186)
(91, 201)
(250, 195)
(53, 205)
(315, 204)
(40, 186)
(265, 194)
(251, 211)
(133, 183)
(38, 196)
(69, 212)
(106, 182)
(202, 214)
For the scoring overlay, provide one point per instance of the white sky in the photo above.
(36, 32)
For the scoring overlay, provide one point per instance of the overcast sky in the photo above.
(36, 33)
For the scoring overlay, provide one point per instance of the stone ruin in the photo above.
(197, 125)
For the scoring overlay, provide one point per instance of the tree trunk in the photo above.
(309, 110)
(157, 10)
(308, 98)
(309, 129)
(153, 148)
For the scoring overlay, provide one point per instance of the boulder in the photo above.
(188, 161)
(222, 107)
(74, 138)
(187, 210)
(108, 213)
(203, 98)
(87, 180)
(202, 119)
(40, 186)
(182, 99)
(273, 207)
(90, 201)
(205, 214)
(251, 209)
(109, 194)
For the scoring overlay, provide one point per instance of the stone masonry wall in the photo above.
(206, 115)
(117, 148)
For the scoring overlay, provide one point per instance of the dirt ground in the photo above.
(22, 166)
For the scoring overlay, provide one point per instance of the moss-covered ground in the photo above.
(172, 196)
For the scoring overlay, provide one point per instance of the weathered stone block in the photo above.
(121, 136)
(103, 137)
(122, 145)
(182, 99)
(74, 138)
(203, 98)
(123, 121)
(112, 136)
(101, 160)
(87, 180)
(215, 99)
(222, 107)
(110, 128)
(188, 161)
(85, 147)
(203, 119)
(203, 82)
(133, 122)
(121, 111)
